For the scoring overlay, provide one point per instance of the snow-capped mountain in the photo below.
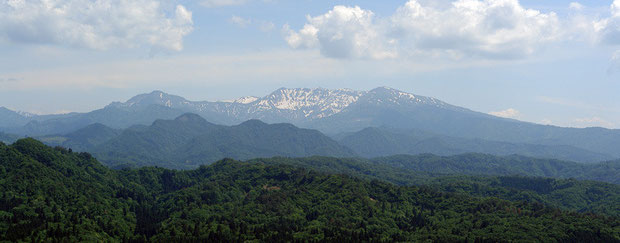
(330, 111)
(297, 105)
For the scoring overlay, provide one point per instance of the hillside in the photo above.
(483, 164)
(55, 195)
(84, 139)
(568, 194)
(189, 141)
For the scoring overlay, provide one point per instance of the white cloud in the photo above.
(508, 113)
(343, 32)
(239, 21)
(492, 28)
(593, 121)
(99, 24)
(608, 29)
(575, 6)
(222, 3)
(477, 28)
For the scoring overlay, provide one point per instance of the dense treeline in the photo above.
(55, 194)
(484, 164)
(568, 194)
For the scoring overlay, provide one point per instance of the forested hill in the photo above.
(569, 194)
(52, 194)
(484, 164)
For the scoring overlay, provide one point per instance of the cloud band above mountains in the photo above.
(489, 29)
(102, 24)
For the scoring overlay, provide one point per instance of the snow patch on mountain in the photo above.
(286, 104)
(245, 100)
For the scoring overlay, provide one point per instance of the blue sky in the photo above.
(552, 62)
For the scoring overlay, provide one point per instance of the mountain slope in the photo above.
(8, 138)
(11, 118)
(375, 142)
(83, 139)
(190, 140)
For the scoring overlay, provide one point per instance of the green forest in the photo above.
(54, 194)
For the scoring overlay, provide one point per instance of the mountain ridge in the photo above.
(190, 140)
(332, 112)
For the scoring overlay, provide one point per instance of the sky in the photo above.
(548, 62)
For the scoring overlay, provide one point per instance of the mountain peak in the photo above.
(246, 100)
(156, 97)
(384, 88)
(311, 103)
(253, 123)
(188, 117)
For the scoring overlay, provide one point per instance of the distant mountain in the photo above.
(9, 118)
(83, 139)
(189, 141)
(332, 112)
(282, 105)
(112, 116)
(8, 138)
(375, 142)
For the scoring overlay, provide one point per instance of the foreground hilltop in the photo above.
(57, 195)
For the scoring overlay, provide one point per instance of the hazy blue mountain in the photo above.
(83, 139)
(8, 138)
(396, 109)
(112, 116)
(336, 111)
(189, 141)
(9, 118)
(375, 142)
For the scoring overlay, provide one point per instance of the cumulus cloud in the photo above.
(508, 113)
(101, 24)
(343, 32)
(486, 28)
(575, 6)
(608, 29)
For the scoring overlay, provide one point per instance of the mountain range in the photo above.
(189, 141)
(382, 141)
(343, 111)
